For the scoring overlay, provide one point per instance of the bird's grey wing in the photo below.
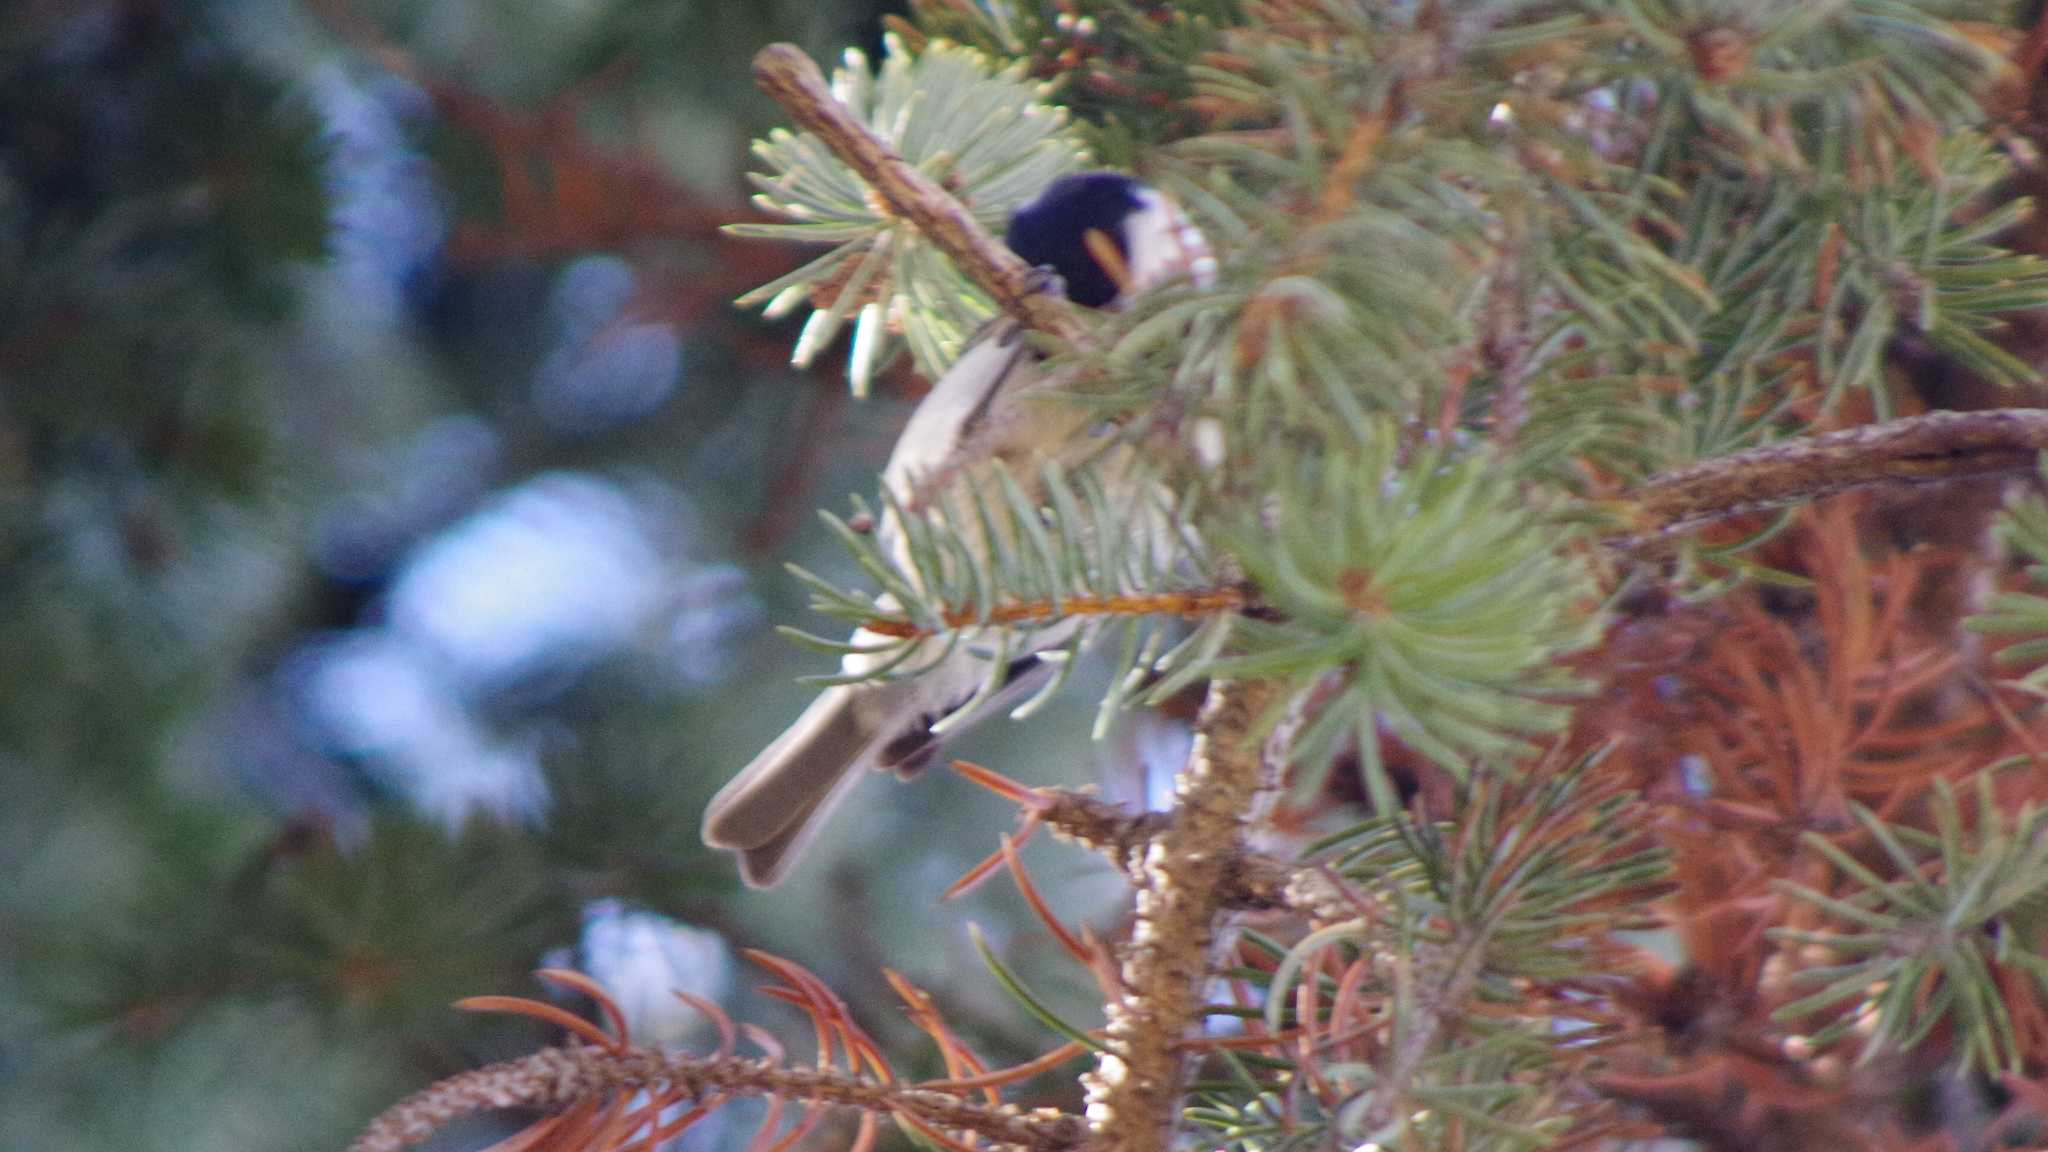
(913, 747)
(769, 812)
(945, 419)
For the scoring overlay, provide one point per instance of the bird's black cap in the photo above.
(1048, 231)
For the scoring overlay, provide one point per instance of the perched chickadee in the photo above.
(1105, 237)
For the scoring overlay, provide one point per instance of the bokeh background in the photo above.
(392, 512)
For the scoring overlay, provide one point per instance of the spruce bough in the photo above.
(1539, 329)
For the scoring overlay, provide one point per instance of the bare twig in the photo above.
(1916, 450)
(1252, 881)
(785, 73)
(1134, 1093)
(1107, 828)
(555, 1078)
(1443, 976)
(1189, 605)
(1506, 347)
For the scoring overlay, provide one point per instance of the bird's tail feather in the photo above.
(768, 812)
(765, 864)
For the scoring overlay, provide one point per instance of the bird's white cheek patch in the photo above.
(1164, 243)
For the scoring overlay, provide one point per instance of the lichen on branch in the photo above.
(1937, 447)
(1134, 1093)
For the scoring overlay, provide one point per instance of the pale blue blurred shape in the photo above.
(1695, 775)
(643, 959)
(379, 700)
(370, 693)
(387, 219)
(589, 293)
(430, 480)
(1161, 746)
(625, 372)
(604, 367)
(529, 590)
(713, 609)
(254, 738)
(554, 574)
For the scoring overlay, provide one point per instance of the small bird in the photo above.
(1104, 237)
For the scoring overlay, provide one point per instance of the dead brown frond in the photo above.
(1039, 907)
(1016, 1074)
(604, 1094)
(960, 1062)
(1753, 725)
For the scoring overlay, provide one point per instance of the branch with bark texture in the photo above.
(1915, 450)
(1135, 1090)
(785, 73)
(554, 1078)
(1252, 881)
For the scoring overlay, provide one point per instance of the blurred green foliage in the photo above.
(235, 302)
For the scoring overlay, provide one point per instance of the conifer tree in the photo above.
(1606, 557)
(1539, 328)
(1513, 452)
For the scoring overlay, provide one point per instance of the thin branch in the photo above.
(1506, 346)
(1444, 975)
(1134, 1093)
(556, 1078)
(785, 73)
(1917, 450)
(1189, 605)
(1252, 881)
(1109, 829)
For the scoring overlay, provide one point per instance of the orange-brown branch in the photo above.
(1204, 603)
